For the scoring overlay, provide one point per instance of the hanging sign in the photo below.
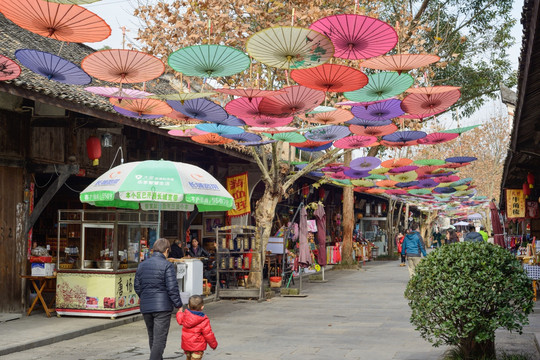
(515, 203)
(237, 186)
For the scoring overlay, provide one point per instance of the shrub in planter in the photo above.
(463, 292)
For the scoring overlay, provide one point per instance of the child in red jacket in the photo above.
(196, 332)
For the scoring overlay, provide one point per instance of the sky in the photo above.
(118, 13)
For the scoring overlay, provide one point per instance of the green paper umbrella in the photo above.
(341, 182)
(376, 177)
(460, 130)
(419, 191)
(296, 162)
(291, 137)
(383, 85)
(209, 61)
(429, 162)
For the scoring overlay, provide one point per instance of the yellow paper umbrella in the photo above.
(366, 183)
(379, 171)
(405, 177)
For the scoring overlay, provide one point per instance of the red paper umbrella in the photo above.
(437, 138)
(396, 192)
(330, 78)
(428, 170)
(250, 93)
(338, 176)
(297, 100)
(355, 142)
(338, 116)
(122, 66)
(430, 90)
(398, 144)
(143, 106)
(400, 62)
(211, 139)
(429, 104)
(267, 121)
(9, 69)
(373, 130)
(446, 179)
(357, 36)
(70, 23)
(456, 165)
(395, 163)
(309, 144)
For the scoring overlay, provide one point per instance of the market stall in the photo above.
(97, 254)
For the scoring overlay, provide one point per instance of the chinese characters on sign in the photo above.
(515, 203)
(237, 186)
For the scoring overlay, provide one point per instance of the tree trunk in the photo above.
(471, 349)
(348, 219)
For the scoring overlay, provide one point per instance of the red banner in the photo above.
(237, 186)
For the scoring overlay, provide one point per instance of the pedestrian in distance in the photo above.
(176, 250)
(399, 240)
(414, 248)
(484, 234)
(451, 237)
(472, 235)
(196, 330)
(196, 251)
(157, 287)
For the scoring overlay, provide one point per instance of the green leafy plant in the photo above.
(463, 292)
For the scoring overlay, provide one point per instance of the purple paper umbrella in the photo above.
(267, 121)
(385, 110)
(407, 184)
(355, 142)
(356, 174)
(366, 123)
(327, 133)
(219, 129)
(257, 143)
(318, 148)
(444, 190)
(404, 136)
(117, 93)
(230, 121)
(461, 159)
(427, 183)
(52, 67)
(200, 108)
(403, 169)
(365, 163)
(243, 137)
(134, 114)
(316, 173)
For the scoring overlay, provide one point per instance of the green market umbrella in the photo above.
(209, 61)
(383, 85)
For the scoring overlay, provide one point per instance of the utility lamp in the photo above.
(106, 140)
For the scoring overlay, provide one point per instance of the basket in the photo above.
(207, 287)
(275, 281)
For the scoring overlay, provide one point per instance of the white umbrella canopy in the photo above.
(461, 223)
(475, 216)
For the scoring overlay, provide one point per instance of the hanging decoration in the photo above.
(93, 149)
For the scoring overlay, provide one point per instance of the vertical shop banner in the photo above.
(515, 203)
(237, 186)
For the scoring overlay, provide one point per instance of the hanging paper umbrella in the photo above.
(257, 143)
(297, 100)
(357, 36)
(52, 67)
(359, 103)
(429, 169)
(266, 121)
(408, 184)
(201, 109)
(396, 192)
(386, 183)
(273, 130)
(456, 165)
(321, 109)
(363, 183)
(358, 174)
(429, 103)
(376, 177)
(9, 69)
(290, 137)
(437, 138)
(186, 132)
(327, 133)
(375, 191)
(123, 66)
(337, 175)
(427, 183)
(365, 163)
(460, 130)
(399, 145)
(395, 163)
(461, 159)
(135, 114)
(182, 96)
(355, 142)
(373, 130)
(444, 190)
(211, 139)
(381, 170)
(230, 121)
(430, 90)
(335, 167)
(400, 62)
(402, 137)
(330, 78)
(446, 179)
(143, 106)
(70, 23)
(246, 108)
(290, 47)
(429, 162)
(208, 61)
(404, 177)
(337, 116)
(118, 93)
(318, 148)
(419, 191)
(249, 93)
(219, 129)
(365, 123)
(244, 137)
(308, 144)
(384, 110)
(381, 86)
(402, 169)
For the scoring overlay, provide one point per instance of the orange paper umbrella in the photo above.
(395, 163)
(430, 90)
(297, 100)
(375, 191)
(143, 106)
(429, 104)
(386, 183)
(310, 144)
(338, 116)
(330, 78)
(70, 23)
(122, 66)
(400, 62)
(211, 139)
(398, 144)
(373, 130)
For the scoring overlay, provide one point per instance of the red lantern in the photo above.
(526, 189)
(321, 194)
(530, 180)
(305, 190)
(93, 148)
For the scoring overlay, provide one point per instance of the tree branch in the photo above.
(264, 170)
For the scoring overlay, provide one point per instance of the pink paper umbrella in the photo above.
(118, 93)
(355, 142)
(373, 130)
(9, 69)
(297, 100)
(249, 93)
(430, 90)
(338, 116)
(186, 132)
(357, 36)
(245, 108)
(429, 104)
(437, 138)
(267, 121)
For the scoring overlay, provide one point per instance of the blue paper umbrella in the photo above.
(201, 109)
(52, 67)
(243, 137)
(356, 174)
(366, 122)
(460, 159)
(404, 136)
(407, 184)
(327, 133)
(219, 129)
(383, 110)
(444, 190)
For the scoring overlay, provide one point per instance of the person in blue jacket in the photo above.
(472, 235)
(157, 287)
(413, 247)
